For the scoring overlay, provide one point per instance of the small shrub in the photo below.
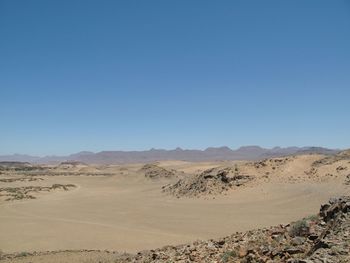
(313, 218)
(299, 228)
(227, 255)
(23, 254)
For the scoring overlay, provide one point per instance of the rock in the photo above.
(220, 243)
(242, 252)
(296, 241)
(330, 210)
(294, 250)
(313, 236)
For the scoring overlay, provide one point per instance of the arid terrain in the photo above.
(74, 212)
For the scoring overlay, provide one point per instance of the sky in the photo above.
(132, 75)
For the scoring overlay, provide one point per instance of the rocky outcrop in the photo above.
(210, 182)
(153, 171)
(344, 155)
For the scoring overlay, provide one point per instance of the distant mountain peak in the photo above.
(250, 148)
(251, 152)
(222, 148)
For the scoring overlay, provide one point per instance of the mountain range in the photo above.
(209, 154)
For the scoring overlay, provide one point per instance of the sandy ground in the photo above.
(127, 212)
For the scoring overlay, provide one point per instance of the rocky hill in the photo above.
(153, 171)
(210, 182)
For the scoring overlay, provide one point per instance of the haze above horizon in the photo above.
(110, 75)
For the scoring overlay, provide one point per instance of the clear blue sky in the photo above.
(131, 75)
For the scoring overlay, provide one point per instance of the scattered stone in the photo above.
(347, 179)
(341, 168)
(26, 192)
(21, 179)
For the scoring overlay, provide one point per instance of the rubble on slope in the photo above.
(344, 155)
(273, 162)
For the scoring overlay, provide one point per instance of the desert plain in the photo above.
(81, 213)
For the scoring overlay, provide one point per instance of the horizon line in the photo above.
(170, 149)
